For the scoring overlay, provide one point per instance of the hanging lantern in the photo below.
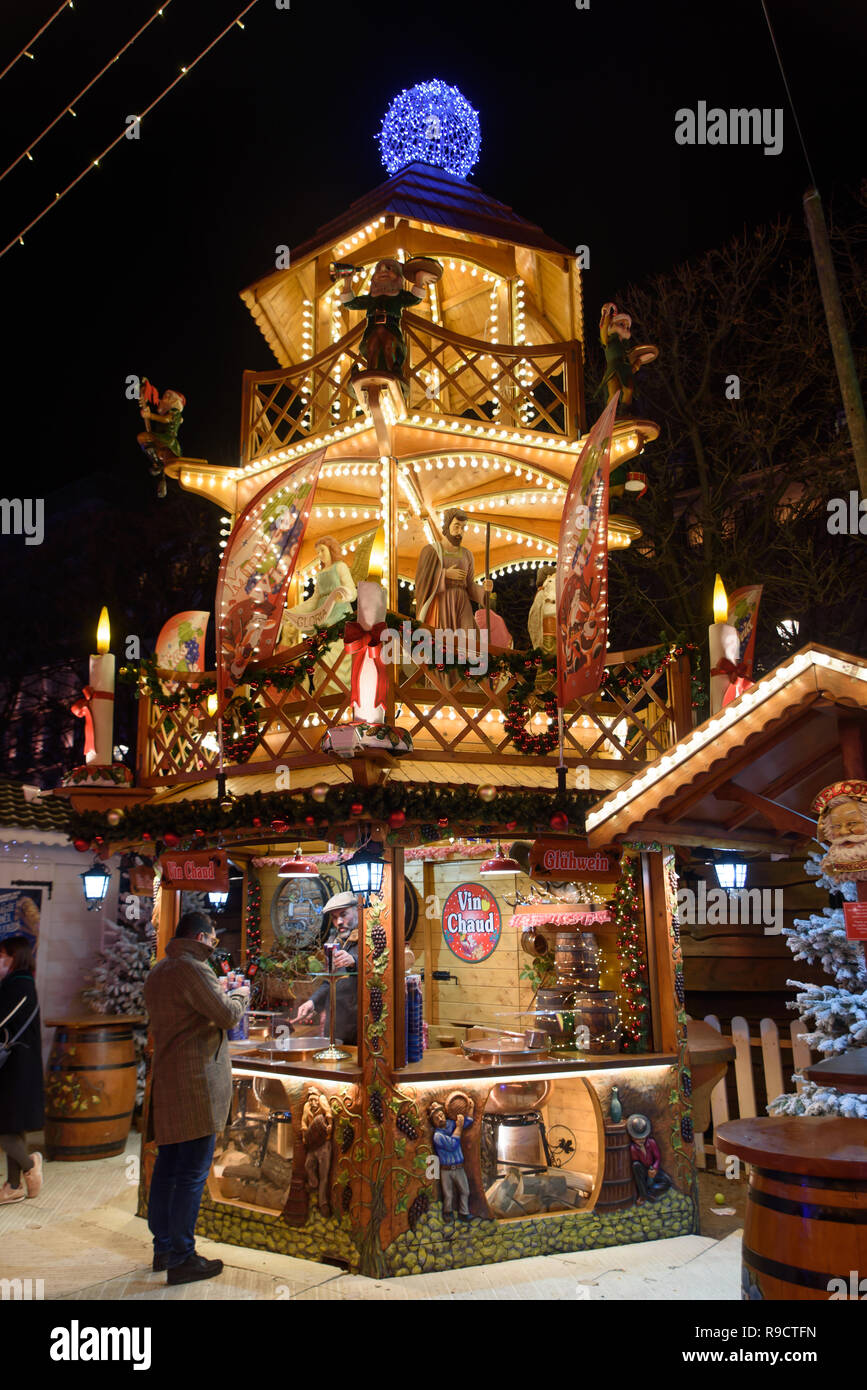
(96, 880)
(499, 864)
(217, 899)
(296, 867)
(365, 870)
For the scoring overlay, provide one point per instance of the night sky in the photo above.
(138, 269)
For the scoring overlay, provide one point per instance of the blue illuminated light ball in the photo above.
(432, 123)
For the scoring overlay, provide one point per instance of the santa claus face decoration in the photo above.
(842, 811)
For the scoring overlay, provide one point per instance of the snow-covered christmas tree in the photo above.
(838, 1012)
(117, 984)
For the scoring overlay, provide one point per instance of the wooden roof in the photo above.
(422, 193)
(745, 778)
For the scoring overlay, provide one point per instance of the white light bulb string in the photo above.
(122, 136)
(69, 106)
(25, 52)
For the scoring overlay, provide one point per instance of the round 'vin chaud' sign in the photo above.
(471, 922)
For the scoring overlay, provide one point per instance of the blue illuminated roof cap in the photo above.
(430, 123)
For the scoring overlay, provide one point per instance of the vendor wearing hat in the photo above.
(340, 914)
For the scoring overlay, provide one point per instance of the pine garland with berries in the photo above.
(633, 964)
(253, 919)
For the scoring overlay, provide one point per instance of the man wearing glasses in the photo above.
(191, 1090)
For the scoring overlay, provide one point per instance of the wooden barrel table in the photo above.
(806, 1220)
(90, 1086)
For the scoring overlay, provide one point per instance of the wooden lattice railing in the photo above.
(460, 722)
(450, 376)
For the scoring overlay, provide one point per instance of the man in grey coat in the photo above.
(191, 1090)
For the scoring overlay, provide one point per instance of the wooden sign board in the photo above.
(855, 917)
(205, 871)
(573, 861)
(141, 880)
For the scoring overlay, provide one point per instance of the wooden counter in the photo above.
(448, 1063)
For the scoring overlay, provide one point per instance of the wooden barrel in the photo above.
(554, 1014)
(805, 1235)
(618, 1184)
(801, 1233)
(575, 956)
(90, 1088)
(598, 1013)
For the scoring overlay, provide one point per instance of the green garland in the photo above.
(284, 815)
(617, 683)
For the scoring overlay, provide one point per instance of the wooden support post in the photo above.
(169, 909)
(664, 1004)
(398, 971)
(428, 891)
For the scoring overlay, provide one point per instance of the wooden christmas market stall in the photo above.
(420, 437)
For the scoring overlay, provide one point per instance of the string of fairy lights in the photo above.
(68, 108)
(96, 162)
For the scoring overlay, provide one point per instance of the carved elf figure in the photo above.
(842, 812)
(159, 440)
(615, 331)
(383, 346)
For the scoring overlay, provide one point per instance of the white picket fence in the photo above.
(772, 1047)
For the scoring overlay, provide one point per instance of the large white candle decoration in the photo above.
(101, 685)
(368, 671)
(723, 643)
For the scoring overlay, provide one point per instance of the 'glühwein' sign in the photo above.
(572, 861)
(471, 922)
(205, 870)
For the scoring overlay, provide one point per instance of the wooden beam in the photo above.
(780, 816)
(792, 778)
(737, 759)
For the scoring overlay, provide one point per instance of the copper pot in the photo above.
(515, 1097)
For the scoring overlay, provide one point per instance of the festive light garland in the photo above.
(253, 920)
(655, 662)
(633, 965)
(266, 815)
(431, 123)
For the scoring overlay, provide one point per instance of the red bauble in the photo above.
(511, 825)
(559, 821)
(198, 832)
(356, 809)
(82, 846)
(278, 825)
(309, 820)
(146, 835)
(396, 819)
(443, 822)
(171, 838)
(257, 821)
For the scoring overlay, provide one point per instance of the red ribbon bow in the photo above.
(738, 673)
(82, 709)
(363, 643)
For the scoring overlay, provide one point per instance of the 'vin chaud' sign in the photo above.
(471, 922)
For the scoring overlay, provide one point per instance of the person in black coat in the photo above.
(22, 1103)
(341, 915)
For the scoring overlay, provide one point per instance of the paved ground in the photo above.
(82, 1238)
